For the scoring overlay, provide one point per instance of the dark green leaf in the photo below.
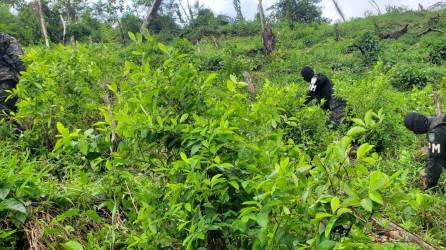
(4, 191)
(93, 155)
(12, 204)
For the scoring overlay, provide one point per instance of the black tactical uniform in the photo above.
(435, 128)
(10, 67)
(321, 88)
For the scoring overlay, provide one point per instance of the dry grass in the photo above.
(34, 230)
(41, 220)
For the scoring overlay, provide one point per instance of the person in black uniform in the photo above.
(435, 128)
(321, 88)
(10, 67)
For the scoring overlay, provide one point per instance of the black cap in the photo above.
(416, 122)
(307, 73)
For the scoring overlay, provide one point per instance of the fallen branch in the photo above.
(395, 34)
(396, 232)
(430, 29)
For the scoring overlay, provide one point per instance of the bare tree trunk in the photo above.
(269, 40)
(121, 31)
(338, 32)
(420, 6)
(339, 10)
(150, 14)
(64, 26)
(376, 6)
(42, 23)
(180, 16)
(191, 13)
(261, 15)
(238, 10)
(189, 19)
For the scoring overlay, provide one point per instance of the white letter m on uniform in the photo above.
(436, 147)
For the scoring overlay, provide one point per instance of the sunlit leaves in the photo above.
(72, 245)
(359, 122)
(230, 85)
(363, 150)
(376, 197)
(367, 204)
(335, 202)
(354, 131)
(378, 181)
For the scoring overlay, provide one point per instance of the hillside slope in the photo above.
(151, 146)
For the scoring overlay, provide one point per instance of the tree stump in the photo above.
(269, 40)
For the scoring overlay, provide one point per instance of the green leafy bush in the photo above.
(370, 48)
(181, 156)
(437, 53)
(405, 77)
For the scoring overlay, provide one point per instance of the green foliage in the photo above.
(130, 23)
(21, 26)
(437, 53)
(370, 48)
(8, 23)
(165, 27)
(303, 11)
(150, 146)
(405, 77)
(50, 93)
(207, 24)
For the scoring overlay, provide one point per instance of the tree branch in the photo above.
(430, 29)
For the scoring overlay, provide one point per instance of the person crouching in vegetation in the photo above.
(10, 67)
(321, 88)
(435, 128)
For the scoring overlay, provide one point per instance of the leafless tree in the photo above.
(238, 10)
(339, 10)
(262, 15)
(151, 14)
(376, 6)
(42, 23)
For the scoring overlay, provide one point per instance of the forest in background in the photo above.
(195, 136)
(110, 21)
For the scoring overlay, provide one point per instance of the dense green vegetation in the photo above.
(110, 21)
(152, 146)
